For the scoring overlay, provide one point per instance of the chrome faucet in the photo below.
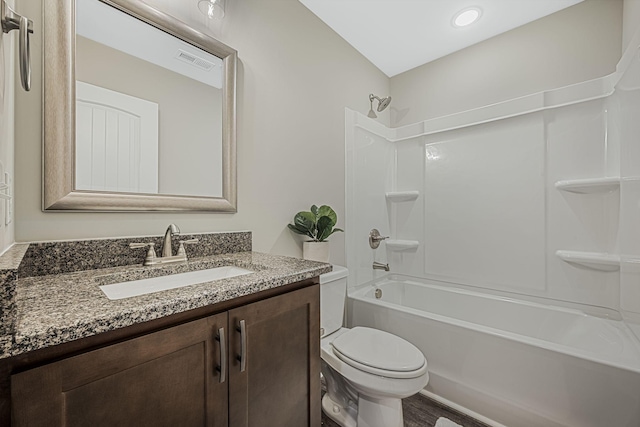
(380, 266)
(166, 248)
(167, 253)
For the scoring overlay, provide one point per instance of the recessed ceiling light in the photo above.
(466, 17)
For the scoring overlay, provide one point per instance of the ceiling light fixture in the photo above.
(212, 9)
(466, 17)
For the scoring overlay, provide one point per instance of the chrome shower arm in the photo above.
(382, 104)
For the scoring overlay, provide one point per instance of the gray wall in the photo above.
(8, 87)
(579, 43)
(630, 20)
(190, 119)
(296, 76)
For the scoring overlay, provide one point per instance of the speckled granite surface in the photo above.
(55, 309)
(49, 292)
(65, 257)
(9, 263)
(12, 258)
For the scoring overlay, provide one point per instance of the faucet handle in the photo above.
(375, 238)
(181, 251)
(151, 253)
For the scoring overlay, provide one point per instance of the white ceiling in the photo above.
(398, 35)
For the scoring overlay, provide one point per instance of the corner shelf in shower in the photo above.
(402, 245)
(590, 185)
(593, 260)
(402, 196)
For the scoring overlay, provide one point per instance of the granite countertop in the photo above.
(58, 308)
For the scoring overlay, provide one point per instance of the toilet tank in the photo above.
(333, 290)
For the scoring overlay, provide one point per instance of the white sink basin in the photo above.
(172, 281)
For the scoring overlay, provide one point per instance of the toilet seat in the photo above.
(373, 385)
(379, 353)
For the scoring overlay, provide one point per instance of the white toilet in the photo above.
(367, 371)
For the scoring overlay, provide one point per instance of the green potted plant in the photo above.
(317, 224)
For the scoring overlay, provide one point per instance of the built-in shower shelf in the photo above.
(402, 245)
(592, 260)
(589, 186)
(402, 196)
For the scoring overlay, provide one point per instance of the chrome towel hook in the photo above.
(13, 21)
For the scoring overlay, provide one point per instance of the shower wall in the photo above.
(370, 170)
(536, 198)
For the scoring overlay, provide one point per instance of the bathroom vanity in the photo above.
(242, 351)
(238, 351)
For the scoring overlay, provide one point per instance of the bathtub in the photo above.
(507, 361)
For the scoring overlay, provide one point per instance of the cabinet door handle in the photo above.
(242, 358)
(222, 368)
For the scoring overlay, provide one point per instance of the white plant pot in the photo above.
(316, 251)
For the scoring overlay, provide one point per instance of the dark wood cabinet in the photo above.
(175, 376)
(280, 383)
(167, 378)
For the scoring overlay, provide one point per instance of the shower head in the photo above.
(382, 104)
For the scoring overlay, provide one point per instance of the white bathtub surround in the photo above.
(535, 201)
(402, 196)
(402, 245)
(589, 185)
(488, 213)
(515, 362)
(502, 196)
(593, 260)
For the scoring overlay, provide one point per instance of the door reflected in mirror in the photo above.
(154, 115)
(148, 108)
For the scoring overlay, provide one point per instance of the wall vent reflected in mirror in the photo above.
(154, 111)
(194, 60)
(187, 101)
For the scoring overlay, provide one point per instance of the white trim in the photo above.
(541, 101)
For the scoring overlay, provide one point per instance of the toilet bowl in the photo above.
(367, 371)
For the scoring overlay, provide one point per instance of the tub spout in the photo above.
(380, 266)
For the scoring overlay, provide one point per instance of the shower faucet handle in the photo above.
(375, 238)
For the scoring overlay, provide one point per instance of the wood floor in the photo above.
(420, 411)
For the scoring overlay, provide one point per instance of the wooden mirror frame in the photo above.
(59, 117)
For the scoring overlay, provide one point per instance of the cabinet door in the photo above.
(167, 378)
(280, 383)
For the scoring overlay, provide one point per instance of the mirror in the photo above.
(139, 111)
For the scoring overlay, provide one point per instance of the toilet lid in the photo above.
(379, 350)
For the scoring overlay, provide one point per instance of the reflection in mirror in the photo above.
(148, 108)
(139, 111)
